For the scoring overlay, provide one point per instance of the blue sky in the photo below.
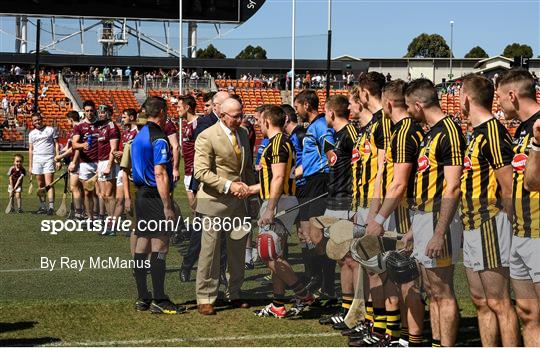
(365, 28)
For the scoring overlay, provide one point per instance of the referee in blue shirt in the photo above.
(151, 159)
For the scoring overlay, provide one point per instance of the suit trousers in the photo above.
(195, 248)
(208, 267)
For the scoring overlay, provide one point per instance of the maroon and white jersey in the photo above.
(188, 145)
(107, 131)
(170, 128)
(69, 142)
(127, 135)
(87, 133)
(16, 173)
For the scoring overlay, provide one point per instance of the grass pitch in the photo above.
(95, 306)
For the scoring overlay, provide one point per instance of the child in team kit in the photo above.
(16, 174)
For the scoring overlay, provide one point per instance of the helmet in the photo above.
(105, 109)
(401, 268)
(370, 252)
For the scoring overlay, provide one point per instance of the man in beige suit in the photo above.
(223, 165)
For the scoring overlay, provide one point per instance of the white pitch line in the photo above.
(194, 339)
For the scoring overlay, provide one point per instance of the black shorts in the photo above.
(149, 211)
(315, 186)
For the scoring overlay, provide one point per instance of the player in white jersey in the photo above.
(43, 147)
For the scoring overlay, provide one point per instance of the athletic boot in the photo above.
(166, 307)
(300, 304)
(271, 311)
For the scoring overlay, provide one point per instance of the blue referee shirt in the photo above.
(318, 140)
(150, 148)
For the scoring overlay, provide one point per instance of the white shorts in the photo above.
(112, 175)
(339, 214)
(362, 215)
(488, 246)
(422, 226)
(42, 165)
(187, 183)
(524, 259)
(18, 190)
(119, 177)
(288, 219)
(87, 170)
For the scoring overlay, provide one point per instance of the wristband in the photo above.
(535, 147)
(379, 219)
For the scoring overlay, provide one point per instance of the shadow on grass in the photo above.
(27, 342)
(20, 325)
(23, 325)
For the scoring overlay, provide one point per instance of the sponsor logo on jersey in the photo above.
(423, 163)
(467, 164)
(519, 161)
(333, 159)
(355, 155)
(367, 147)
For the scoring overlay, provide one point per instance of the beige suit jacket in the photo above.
(216, 162)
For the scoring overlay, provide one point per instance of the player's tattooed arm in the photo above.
(449, 204)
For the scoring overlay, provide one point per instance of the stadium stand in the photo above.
(118, 99)
(167, 94)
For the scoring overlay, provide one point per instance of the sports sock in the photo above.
(369, 311)
(307, 262)
(42, 204)
(329, 277)
(278, 300)
(415, 340)
(157, 270)
(404, 335)
(299, 289)
(435, 343)
(346, 301)
(248, 255)
(379, 325)
(51, 205)
(393, 321)
(139, 273)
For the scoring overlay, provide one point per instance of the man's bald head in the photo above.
(231, 114)
(218, 100)
(231, 105)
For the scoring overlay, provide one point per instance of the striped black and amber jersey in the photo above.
(526, 204)
(443, 145)
(341, 173)
(403, 147)
(373, 137)
(489, 149)
(278, 150)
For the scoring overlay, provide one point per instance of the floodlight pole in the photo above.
(293, 48)
(451, 47)
(36, 80)
(329, 56)
(180, 48)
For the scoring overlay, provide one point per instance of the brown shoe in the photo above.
(238, 303)
(206, 309)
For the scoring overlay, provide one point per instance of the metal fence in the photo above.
(172, 83)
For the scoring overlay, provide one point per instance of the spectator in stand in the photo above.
(388, 77)
(127, 73)
(137, 80)
(5, 105)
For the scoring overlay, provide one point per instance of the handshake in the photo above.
(242, 191)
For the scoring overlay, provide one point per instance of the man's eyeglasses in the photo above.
(208, 105)
(236, 117)
(88, 110)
